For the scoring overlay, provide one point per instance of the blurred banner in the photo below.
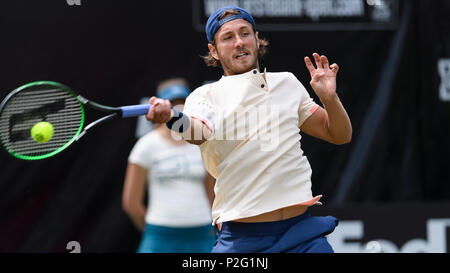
(303, 15)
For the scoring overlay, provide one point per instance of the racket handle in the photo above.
(135, 110)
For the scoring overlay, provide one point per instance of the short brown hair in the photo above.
(211, 61)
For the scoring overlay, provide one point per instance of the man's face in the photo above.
(236, 47)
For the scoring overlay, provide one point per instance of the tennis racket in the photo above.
(56, 104)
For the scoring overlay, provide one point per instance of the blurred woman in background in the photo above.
(177, 217)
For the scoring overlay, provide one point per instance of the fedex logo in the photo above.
(435, 242)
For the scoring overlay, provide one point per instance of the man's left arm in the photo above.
(330, 123)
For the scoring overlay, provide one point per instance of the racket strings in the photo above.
(33, 105)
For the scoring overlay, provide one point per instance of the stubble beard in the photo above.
(232, 66)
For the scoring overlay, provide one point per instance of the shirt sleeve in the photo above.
(141, 153)
(307, 105)
(199, 107)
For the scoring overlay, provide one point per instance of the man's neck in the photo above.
(225, 73)
(264, 74)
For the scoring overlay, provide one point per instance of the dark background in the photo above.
(115, 52)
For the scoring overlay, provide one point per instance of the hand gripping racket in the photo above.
(56, 104)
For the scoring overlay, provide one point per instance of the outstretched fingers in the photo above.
(324, 61)
(318, 60)
(321, 62)
(321, 68)
(309, 65)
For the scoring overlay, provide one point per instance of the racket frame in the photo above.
(115, 112)
(58, 150)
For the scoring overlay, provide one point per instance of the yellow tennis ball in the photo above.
(42, 131)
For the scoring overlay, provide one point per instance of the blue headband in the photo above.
(177, 91)
(213, 24)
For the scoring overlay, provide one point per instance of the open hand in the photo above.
(323, 78)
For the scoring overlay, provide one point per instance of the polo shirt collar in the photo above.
(250, 73)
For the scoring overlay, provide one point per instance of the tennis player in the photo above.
(177, 217)
(263, 180)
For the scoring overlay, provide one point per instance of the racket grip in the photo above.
(135, 110)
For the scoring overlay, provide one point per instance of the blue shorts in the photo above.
(160, 239)
(301, 234)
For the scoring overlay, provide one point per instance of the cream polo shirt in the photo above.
(254, 152)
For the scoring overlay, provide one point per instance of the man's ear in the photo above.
(213, 51)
